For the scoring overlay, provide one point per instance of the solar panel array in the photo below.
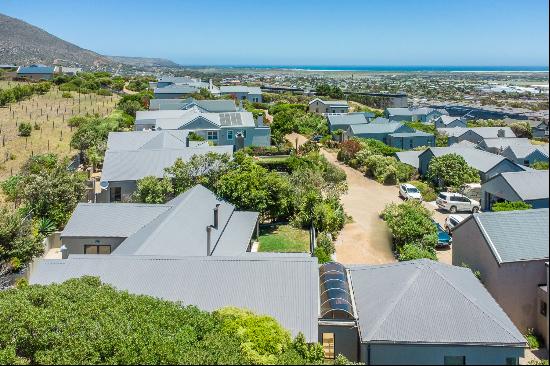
(230, 119)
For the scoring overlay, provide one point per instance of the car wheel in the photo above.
(475, 209)
(453, 209)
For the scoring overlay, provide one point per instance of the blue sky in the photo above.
(286, 32)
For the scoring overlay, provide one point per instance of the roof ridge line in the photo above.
(473, 302)
(488, 238)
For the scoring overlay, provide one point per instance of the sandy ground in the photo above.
(367, 239)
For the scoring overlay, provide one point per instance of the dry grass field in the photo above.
(48, 114)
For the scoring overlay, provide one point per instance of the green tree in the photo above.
(451, 170)
(153, 190)
(25, 129)
(522, 129)
(130, 107)
(205, 169)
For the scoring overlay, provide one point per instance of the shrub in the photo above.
(451, 170)
(76, 121)
(322, 255)
(193, 136)
(511, 206)
(104, 92)
(532, 339)
(540, 165)
(428, 193)
(67, 95)
(348, 150)
(25, 129)
(325, 242)
(411, 252)
(386, 169)
(522, 129)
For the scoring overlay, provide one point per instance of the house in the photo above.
(71, 71)
(175, 91)
(123, 168)
(205, 106)
(343, 121)
(377, 131)
(320, 106)
(240, 92)
(510, 251)
(424, 114)
(233, 128)
(410, 140)
(417, 312)
(445, 121)
(498, 145)
(530, 187)
(487, 164)
(539, 129)
(36, 72)
(476, 134)
(409, 157)
(285, 287)
(178, 228)
(526, 154)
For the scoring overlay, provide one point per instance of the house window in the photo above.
(328, 345)
(543, 308)
(526, 162)
(97, 249)
(512, 361)
(454, 360)
(211, 135)
(230, 134)
(116, 194)
(410, 144)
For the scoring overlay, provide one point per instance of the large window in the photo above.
(455, 360)
(97, 249)
(328, 345)
(212, 135)
(116, 194)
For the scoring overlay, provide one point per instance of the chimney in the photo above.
(260, 120)
(208, 240)
(187, 141)
(501, 133)
(216, 216)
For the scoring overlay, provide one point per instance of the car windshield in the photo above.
(442, 196)
(412, 190)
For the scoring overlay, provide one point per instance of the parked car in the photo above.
(452, 221)
(455, 202)
(408, 191)
(443, 238)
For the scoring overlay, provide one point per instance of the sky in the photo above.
(300, 32)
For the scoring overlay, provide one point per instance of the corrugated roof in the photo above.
(240, 89)
(409, 157)
(286, 288)
(529, 185)
(138, 140)
(411, 134)
(380, 120)
(412, 111)
(137, 164)
(479, 159)
(177, 119)
(484, 132)
(177, 89)
(35, 69)
(516, 235)
(212, 106)
(347, 119)
(428, 302)
(237, 234)
(522, 151)
(114, 220)
(503, 143)
(373, 128)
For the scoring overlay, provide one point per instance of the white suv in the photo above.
(454, 202)
(452, 221)
(408, 191)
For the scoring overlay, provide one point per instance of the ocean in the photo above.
(333, 68)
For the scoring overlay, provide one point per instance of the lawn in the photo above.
(48, 114)
(283, 239)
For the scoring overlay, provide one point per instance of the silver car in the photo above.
(455, 202)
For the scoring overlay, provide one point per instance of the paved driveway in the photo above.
(367, 239)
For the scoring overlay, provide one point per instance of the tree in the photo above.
(52, 325)
(522, 129)
(205, 169)
(511, 206)
(130, 107)
(25, 129)
(451, 170)
(153, 190)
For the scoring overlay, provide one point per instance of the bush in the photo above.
(451, 170)
(386, 169)
(511, 206)
(25, 129)
(428, 193)
(104, 92)
(153, 190)
(193, 136)
(322, 255)
(532, 339)
(540, 165)
(67, 95)
(410, 252)
(76, 121)
(348, 150)
(522, 129)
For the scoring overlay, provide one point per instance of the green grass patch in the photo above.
(283, 239)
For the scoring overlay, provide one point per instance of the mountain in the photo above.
(22, 44)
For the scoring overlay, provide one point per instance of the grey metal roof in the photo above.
(373, 128)
(116, 220)
(178, 119)
(177, 89)
(381, 120)
(409, 157)
(212, 106)
(516, 235)
(428, 302)
(225, 89)
(347, 119)
(137, 164)
(522, 151)
(529, 185)
(411, 134)
(181, 231)
(286, 288)
(412, 111)
(479, 159)
(137, 140)
(446, 120)
(484, 132)
(503, 143)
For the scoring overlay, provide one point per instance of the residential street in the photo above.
(367, 239)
